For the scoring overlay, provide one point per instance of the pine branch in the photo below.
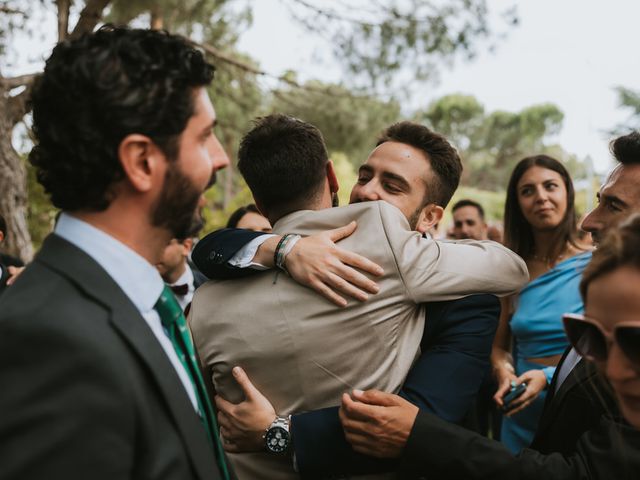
(63, 18)
(228, 59)
(19, 81)
(89, 17)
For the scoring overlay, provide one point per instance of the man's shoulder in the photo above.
(307, 221)
(43, 292)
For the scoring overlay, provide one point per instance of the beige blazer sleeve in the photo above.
(436, 270)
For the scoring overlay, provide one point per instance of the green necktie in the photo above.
(175, 326)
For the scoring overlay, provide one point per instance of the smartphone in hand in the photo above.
(515, 392)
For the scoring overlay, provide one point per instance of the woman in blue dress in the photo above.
(540, 226)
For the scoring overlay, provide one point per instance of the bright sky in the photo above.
(568, 52)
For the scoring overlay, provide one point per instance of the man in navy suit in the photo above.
(455, 349)
(581, 434)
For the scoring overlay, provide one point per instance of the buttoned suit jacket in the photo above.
(302, 352)
(581, 435)
(87, 390)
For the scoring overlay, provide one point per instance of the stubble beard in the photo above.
(177, 208)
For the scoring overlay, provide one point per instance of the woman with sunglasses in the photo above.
(609, 331)
(540, 226)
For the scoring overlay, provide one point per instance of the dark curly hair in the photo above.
(100, 88)
(626, 149)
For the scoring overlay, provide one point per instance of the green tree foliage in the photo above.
(491, 143)
(372, 39)
(629, 100)
(348, 121)
(376, 39)
(40, 214)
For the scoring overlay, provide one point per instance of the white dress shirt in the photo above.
(185, 278)
(138, 279)
(570, 361)
(243, 257)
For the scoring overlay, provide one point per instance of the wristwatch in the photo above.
(277, 437)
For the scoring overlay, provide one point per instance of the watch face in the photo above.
(277, 439)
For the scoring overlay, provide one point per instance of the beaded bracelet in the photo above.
(284, 246)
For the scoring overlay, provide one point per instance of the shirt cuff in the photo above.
(548, 372)
(243, 257)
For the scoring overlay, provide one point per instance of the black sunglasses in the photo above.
(592, 342)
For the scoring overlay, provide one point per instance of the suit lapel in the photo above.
(581, 373)
(578, 374)
(89, 277)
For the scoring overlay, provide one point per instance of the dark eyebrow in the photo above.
(209, 127)
(612, 199)
(365, 168)
(396, 178)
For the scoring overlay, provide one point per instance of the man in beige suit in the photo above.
(299, 349)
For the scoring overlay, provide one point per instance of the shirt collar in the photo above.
(137, 278)
(186, 277)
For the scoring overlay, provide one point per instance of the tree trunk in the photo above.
(63, 18)
(13, 188)
(13, 176)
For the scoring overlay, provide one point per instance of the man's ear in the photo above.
(429, 217)
(141, 160)
(332, 178)
(187, 245)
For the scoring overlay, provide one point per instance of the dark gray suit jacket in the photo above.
(87, 391)
(581, 436)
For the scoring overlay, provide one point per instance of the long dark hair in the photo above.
(236, 216)
(518, 234)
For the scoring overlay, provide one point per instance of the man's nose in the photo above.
(591, 222)
(219, 157)
(369, 192)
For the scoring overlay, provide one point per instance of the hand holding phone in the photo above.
(515, 392)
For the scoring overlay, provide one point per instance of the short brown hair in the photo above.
(620, 247)
(444, 159)
(626, 149)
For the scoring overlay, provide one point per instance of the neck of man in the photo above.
(174, 275)
(320, 201)
(131, 228)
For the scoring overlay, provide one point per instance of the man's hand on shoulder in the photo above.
(243, 425)
(317, 262)
(377, 423)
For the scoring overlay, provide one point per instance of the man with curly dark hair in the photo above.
(98, 370)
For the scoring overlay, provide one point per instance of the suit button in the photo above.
(216, 257)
